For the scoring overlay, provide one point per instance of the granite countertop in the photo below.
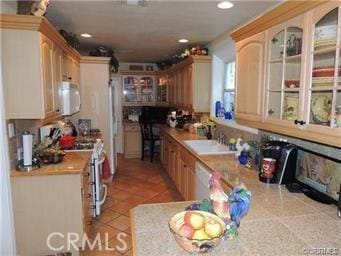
(278, 222)
(227, 165)
(73, 163)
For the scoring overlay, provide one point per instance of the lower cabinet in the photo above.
(132, 140)
(180, 166)
(46, 204)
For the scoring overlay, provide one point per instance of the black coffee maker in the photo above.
(285, 155)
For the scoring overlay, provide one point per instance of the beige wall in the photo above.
(94, 78)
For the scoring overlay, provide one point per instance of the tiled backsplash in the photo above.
(312, 146)
(315, 147)
(15, 142)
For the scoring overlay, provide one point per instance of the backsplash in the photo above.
(315, 147)
(15, 142)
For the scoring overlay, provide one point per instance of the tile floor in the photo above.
(136, 182)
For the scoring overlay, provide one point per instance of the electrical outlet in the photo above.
(11, 130)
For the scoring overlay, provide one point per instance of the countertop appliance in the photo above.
(202, 177)
(285, 155)
(69, 98)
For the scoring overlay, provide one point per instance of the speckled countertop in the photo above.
(278, 222)
(73, 163)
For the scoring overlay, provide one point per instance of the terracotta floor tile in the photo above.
(104, 231)
(120, 223)
(122, 243)
(108, 215)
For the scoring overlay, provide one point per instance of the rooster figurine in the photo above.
(240, 199)
(240, 147)
(220, 201)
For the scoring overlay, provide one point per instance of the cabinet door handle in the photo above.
(89, 222)
(88, 195)
(300, 122)
(57, 110)
(70, 78)
(87, 174)
(271, 111)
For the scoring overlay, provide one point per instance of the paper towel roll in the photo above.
(27, 148)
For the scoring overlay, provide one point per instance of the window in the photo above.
(229, 86)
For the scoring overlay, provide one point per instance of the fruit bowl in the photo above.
(203, 243)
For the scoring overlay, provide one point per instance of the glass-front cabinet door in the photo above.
(138, 90)
(162, 90)
(324, 94)
(130, 89)
(146, 89)
(284, 79)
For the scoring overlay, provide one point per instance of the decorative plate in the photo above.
(290, 108)
(321, 109)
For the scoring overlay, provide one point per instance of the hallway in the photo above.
(136, 182)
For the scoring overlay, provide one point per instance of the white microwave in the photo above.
(69, 98)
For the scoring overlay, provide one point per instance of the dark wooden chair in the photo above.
(149, 140)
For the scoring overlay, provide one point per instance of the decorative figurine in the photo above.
(219, 200)
(240, 199)
(240, 148)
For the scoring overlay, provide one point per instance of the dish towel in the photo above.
(106, 171)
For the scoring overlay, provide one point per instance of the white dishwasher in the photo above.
(202, 177)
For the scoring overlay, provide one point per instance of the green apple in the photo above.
(213, 228)
(200, 235)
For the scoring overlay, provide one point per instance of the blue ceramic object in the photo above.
(243, 157)
(240, 199)
(217, 108)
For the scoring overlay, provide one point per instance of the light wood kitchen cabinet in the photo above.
(249, 78)
(138, 89)
(43, 204)
(300, 92)
(180, 167)
(70, 70)
(132, 140)
(31, 47)
(189, 84)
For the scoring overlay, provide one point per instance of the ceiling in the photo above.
(149, 33)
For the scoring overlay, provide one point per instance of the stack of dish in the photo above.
(325, 36)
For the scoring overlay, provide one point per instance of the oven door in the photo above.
(101, 189)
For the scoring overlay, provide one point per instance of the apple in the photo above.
(213, 228)
(186, 230)
(200, 235)
(196, 220)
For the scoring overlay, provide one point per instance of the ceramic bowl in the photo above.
(192, 245)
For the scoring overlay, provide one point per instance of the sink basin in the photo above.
(207, 147)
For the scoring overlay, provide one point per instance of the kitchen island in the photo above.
(278, 222)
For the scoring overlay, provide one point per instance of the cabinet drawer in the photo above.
(131, 128)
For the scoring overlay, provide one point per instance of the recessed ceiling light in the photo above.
(225, 5)
(86, 35)
(183, 40)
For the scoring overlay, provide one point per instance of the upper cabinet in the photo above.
(284, 90)
(162, 89)
(189, 84)
(138, 90)
(323, 92)
(294, 87)
(33, 66)
(249, 77)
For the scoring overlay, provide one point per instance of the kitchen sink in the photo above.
(208, 147)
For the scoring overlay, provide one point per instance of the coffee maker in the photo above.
(285, 155)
